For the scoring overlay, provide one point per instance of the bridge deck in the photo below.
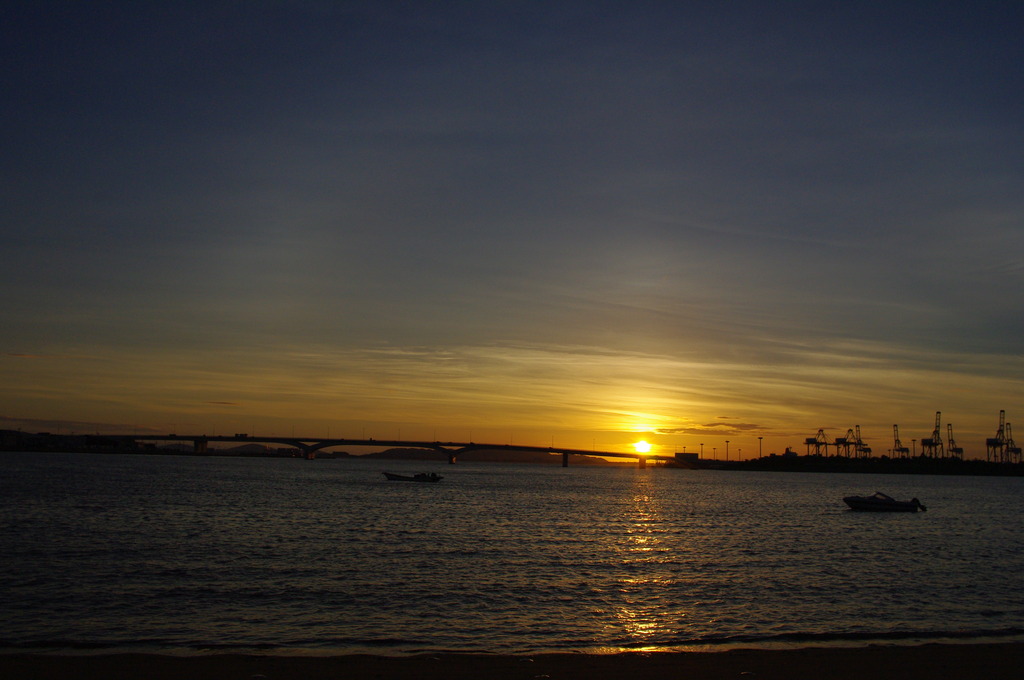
(310, 445)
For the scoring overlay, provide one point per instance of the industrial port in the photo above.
(999, 449)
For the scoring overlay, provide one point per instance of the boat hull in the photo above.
(882, 503)
(426, 478)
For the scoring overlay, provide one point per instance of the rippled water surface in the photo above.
(191, 553)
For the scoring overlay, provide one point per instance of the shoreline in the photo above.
(949, 661)
(819, 464)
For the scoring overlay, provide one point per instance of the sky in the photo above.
(572, 224)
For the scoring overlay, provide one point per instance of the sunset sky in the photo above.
(578, 223)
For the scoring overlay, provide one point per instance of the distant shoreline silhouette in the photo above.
(13, 440)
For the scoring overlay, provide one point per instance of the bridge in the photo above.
(310, 445)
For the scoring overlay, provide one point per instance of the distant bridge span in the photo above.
(310, 445)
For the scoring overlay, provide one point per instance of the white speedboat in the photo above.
(880, 502)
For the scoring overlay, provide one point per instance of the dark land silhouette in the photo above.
(14, 440)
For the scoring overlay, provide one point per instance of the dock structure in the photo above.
(1001, 448)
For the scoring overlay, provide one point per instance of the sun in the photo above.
(642, 447)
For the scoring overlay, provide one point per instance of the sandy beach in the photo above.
(931, 661)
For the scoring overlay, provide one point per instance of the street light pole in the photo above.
(759, 446)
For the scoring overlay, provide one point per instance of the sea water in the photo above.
(193, 554)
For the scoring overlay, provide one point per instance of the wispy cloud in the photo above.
(602, 223)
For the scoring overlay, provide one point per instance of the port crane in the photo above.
(932, 446)
(954, 450)
(859, 448)
(996, 446)
(1013, 453)
(819, 442)
(898, 449)
(843, 444)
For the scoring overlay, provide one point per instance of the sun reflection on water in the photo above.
(640, 614)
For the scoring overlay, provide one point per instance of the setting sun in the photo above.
(642, 447)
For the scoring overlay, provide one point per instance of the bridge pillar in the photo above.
(642, 462)
(199, 445)
(451, 458)
(565, 459)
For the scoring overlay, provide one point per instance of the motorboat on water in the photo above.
(418, 477)
(880, 502)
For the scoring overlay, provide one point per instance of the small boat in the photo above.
(418, 477)
(882, 503)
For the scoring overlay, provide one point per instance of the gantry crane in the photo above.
(954, 450)
(996, 446)
(898, 449)
(859, 448)
(1013, 454)
(819, 442)
(932, 446)
(843, 444)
